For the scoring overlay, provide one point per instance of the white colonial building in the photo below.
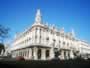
(41, 42)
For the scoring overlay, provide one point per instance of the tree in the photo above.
(3, 32)
(3, 35)
(1, 47)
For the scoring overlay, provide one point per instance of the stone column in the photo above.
(62, 54)
(43, 56)
(45, 35)
(42, 37)
(30, 53)
(27, 53)
(68, 54)
(35, 53)
(20, 52)
(38, 35)
(71, 54)
(67, 57)
(24, 53)
(17, 53)
(12, 54)
(51, 53)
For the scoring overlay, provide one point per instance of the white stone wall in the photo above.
(49, 37)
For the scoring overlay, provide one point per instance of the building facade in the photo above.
(41, 42)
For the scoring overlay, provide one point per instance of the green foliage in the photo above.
(3, 32)
(1, 47)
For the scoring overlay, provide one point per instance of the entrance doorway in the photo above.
(47, 54)
(39, 53)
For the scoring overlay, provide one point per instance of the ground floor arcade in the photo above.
(41, 53)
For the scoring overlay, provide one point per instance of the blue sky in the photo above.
(19, 14)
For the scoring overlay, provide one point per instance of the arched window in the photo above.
(47, 53)
(54, 40)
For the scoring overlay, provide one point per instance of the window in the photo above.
(47, 30)
(63, 43)
(58, 34)
(29, 38)
(47, 38)
(40, 29)
(54, 40)
(36, 29)
(51, 32)
(59, 41)
(67, 44)
(47, 53)
(35, 36)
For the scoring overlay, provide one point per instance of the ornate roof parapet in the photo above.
(73, 33)
(53, 26)
(66, 35)
(26, 29)
(69, 35)
(62, 31)
(17, 34)
(50, 26)
(56, 30)
(46, 25)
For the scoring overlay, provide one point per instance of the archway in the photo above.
(47, 54)
(39, 53)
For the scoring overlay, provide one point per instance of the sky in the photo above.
(19, 14)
